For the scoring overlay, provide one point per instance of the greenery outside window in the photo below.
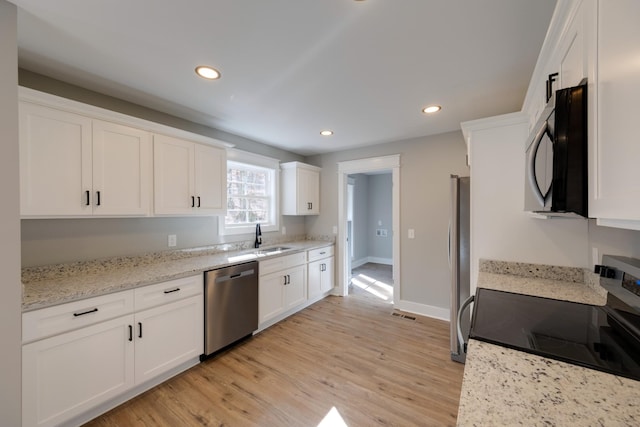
(252, 195)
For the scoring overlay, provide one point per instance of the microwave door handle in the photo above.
(531, 170)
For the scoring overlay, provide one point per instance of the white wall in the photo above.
(500, 229)
(360, 218)
(379, 211)
(11, 300)
(372, 203)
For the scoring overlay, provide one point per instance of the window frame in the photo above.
(255, 161)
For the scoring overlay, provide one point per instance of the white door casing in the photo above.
(345, 169)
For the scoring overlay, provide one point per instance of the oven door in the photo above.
(539, 163)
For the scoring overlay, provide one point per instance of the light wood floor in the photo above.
(349, 353)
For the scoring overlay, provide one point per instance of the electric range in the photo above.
(605, 338)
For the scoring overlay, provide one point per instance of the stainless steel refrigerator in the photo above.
(459, 260)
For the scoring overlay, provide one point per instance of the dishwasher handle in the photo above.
(228, 277)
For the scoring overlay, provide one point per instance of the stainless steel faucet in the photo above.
(258, 241)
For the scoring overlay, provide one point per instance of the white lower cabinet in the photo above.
(77, 359)
(282, 286)
(65, 375)
(320, 277)
(167, 336)
(320, 271)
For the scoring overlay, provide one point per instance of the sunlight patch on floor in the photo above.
(332, 419)
(370, 287)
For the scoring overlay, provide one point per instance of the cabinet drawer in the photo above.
(67, 317)
(319, 253)
(282, 262)
(166, 292)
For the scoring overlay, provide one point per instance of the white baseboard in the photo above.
(424, 310)
(358, 263)
(375, 260)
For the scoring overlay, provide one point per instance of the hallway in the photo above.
(373, 280)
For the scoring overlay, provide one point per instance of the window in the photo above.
(251, 193)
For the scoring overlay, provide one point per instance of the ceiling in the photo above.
(291, 68)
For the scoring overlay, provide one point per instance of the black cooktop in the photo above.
(605, 338)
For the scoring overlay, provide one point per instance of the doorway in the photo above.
(346, 236)
(369, 234)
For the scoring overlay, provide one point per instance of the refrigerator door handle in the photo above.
(449, 245)
(463, 307)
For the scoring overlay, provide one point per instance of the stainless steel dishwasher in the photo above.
(230, 305)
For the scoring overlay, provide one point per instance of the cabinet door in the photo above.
(308, 192)
(314, 278)
(271, 295)
(173, 176)
(295, 291)
(573, 60)
(121, 170)
(616, 189)
(210, 179)
(167, 336)
(68, 374)
(327, 275)
(55, 162)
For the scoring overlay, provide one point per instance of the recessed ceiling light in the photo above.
(431, 109)
(207, 72)
(326, 132)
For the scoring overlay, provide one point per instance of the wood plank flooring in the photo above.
(349, 353)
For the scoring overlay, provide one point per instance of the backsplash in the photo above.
(538, 271)
(104, 264)
(548, 272)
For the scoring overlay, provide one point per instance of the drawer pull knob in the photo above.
(139, 329)
(322, 253)
(130, 333)
(172, 290)
(95, 310)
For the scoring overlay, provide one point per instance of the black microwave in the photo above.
(556, 181)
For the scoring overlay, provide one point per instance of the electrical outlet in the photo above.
(412, 233)
(284, 230)
(335, 229)
(172, 240)
(595, 257)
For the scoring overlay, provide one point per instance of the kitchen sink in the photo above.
(269, 251)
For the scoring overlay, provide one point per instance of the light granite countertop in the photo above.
(505, 387)
(52, 285)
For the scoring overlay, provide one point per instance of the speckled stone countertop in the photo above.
(505, 387)
(52, 285)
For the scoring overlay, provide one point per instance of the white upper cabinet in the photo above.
(300, 189)
(615, 189)
(79, 160)
(189, 178)
(121, 169)
(72, 165)
(55, 162)
(573, 55)
(211, 179)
